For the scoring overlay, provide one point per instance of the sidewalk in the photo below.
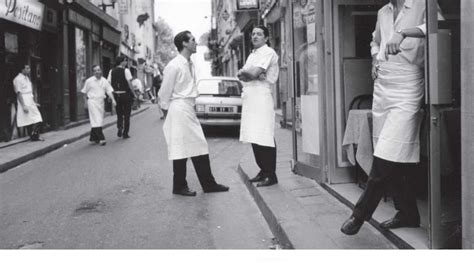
(22, 150)
(300, 213)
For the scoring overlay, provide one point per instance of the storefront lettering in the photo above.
(25, 12)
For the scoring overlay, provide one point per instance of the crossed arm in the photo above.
(253, 73)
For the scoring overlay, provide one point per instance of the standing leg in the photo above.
(120, 111)
(34, 131)
(379, 177)
(206, 179)
(266, 156)
(256, 153)
(126, 117)
(180, 185)
(404, 199)
(93, 136)
(100, 136)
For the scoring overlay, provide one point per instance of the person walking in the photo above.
(259, 76)
(398, 62)
(120, 78)
(28, 114)
(182, 130)
(95, 90)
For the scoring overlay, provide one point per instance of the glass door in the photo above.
(443, 119)
(307, 92)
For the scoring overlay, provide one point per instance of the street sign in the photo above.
(25, 12)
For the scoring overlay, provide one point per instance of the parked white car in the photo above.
(219, 102)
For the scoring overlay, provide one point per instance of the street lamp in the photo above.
(104, 6)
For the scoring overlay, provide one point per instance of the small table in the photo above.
(357, 142)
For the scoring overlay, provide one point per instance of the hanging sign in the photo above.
(25, 12)
(248, 4)
(123, 6)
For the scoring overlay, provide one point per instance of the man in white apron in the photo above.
(259, 76)
(183, 132)
(28, 114)
(398, 62)
(95, 89)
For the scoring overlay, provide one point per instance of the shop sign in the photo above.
(248, 4)
(25, 12)
(123, 6)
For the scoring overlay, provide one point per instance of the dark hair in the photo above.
(266, 32)
(180, 38)
(119, 60)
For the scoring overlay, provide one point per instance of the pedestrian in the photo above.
(157, 80)
(259, 76)
(398, 62)
(28, 114)
(137, 87)
(182, 130)
(95, 90)
(120, 78)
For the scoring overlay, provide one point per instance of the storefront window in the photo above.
(81, 66)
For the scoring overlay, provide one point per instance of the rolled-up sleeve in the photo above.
(167, 86)
(376, 38)
(85, 89)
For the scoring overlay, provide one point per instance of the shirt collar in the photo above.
(407, 4)
(183, 59)
(260, 48)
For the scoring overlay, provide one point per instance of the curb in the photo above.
(14, 163)
(267, 213)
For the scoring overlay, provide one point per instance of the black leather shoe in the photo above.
(351, 226)
(119, 133)
(217, 188)
(267, 182)
(126, 136)
(398, 223)
(184, 192)
(257, 178)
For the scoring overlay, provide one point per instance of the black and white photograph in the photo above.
(251, 128)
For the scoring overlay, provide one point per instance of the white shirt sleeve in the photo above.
(264, 60)
(376, 38)
(109, 77)
(16, 84)
(128, 74)
(85, 89)
(167, 86)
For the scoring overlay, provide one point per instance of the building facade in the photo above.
(60, 40)
(325, 87)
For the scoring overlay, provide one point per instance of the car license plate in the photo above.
(221, 109)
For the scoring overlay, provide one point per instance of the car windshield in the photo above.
(219, 87)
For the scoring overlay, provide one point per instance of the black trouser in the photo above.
(203, 170)
(124, 110)
(386, 175)
(97, 135)
(266, 159)
(34, 130)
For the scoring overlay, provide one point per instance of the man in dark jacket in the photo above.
(120, 78)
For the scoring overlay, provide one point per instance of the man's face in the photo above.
(97, 72)
(26, 70)
(258, 37)
(191, 44)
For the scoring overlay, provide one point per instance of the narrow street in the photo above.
(119, 196)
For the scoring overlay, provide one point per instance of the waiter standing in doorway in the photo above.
(398, 73)
(28, 113)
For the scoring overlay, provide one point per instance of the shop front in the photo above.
(92, 39)
(331, 101)
(29, 35)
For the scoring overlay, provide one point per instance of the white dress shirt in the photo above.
(410, 16)
(178, 82)
(96, 88)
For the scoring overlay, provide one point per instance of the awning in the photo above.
(98, 13)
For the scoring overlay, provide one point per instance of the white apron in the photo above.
(33, 116)
(96, 111)
(258, 116)
(398, 97)
(183, 132)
